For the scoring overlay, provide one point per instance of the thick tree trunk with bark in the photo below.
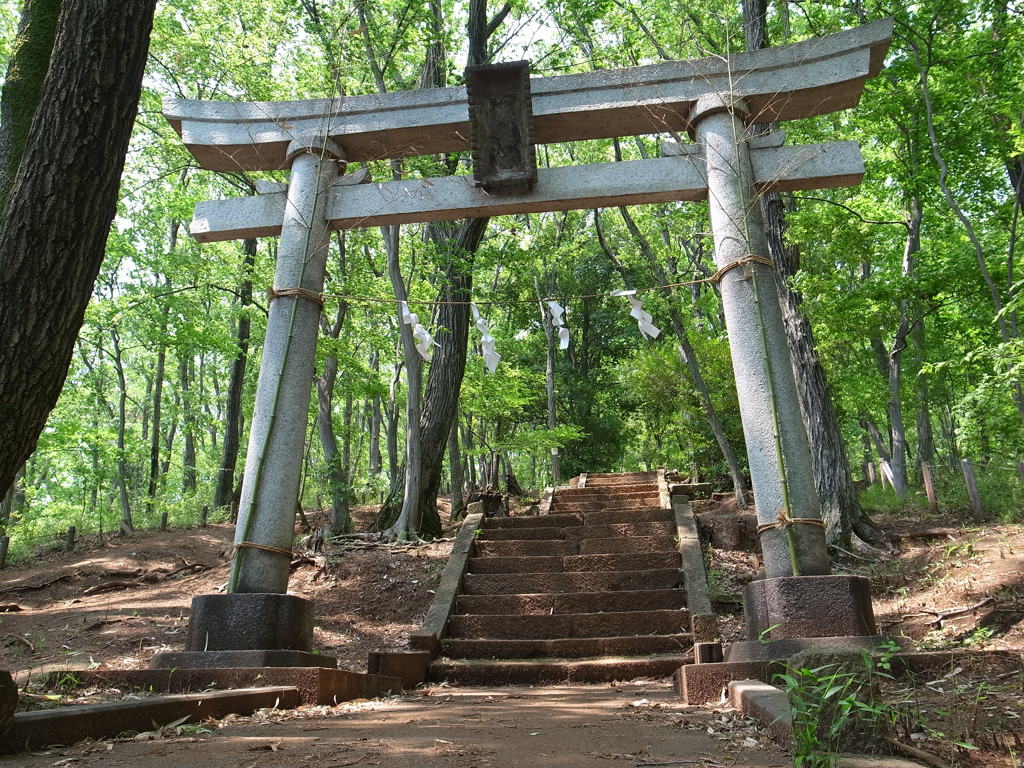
(441, 399)
(236, 386)
(60, 206)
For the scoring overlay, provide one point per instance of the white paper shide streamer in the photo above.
(557, 310)
(643, 317)
(491, 358)
(421, 336)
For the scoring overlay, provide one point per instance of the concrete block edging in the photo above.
(428, 637)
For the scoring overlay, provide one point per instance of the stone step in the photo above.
(622, 530)
(535, 521)
(592, 505)
(592, 581)
(607, 491)
(621, 544)
(577, 532)
(523, 534)
(519, 548)
(547, 671)
(626, 561)
(567, 625)
(645, 515)
(567, 648)
(581, 546)
(605, 481)
(555, 603)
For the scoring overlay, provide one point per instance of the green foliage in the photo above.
(622, 402)
(836, 704)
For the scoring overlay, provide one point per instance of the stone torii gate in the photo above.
(713, 99)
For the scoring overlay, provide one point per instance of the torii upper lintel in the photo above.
(813, 77)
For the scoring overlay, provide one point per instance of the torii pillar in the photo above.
(256, 623)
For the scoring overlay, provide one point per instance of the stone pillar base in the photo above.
(247, 629)
(785, 615)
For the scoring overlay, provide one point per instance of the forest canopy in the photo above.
(908, 281)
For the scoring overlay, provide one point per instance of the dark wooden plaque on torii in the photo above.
(501, 126)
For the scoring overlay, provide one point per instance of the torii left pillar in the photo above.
(256, 624)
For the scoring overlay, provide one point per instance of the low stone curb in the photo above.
(67, 725)
(764, 703)
(704, 623)
(315, 685)
(428, 637)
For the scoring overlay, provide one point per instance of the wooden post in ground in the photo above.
(5, 543)
(929, 486)
(69, 541)
(204, 515)
(977, 509)
(869, 467)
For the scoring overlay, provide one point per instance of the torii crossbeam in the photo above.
(713, 99)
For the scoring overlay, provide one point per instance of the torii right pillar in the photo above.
(798, 603)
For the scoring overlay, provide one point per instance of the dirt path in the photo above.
(618, 726)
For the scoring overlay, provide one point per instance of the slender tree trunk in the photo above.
(375, 422)
(188, 457)
(549, 380)
(58, 212)
(391, 436)
(236, 386)
(158, 391)
(120, 480)
(455, 468)
(337, 463)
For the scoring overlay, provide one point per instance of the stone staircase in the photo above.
(590, 592)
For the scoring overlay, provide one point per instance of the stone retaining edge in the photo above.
(764, 703)
(695, 579)
(428, 637)
(68, 725)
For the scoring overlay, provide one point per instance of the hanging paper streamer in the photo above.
(491, 358)
(642, 317)
(557, 310)
(421, 336)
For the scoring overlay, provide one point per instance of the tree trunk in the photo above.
(120, 480)
(455, 468)
(158, 391)
(236, 386)
(60, 206)
(440, 402)
(26, 71)
(188, 456)
(375, 422)
(549, 380)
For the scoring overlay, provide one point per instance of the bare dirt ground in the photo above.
(553, 727)
(953, 586)
(116, 604)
